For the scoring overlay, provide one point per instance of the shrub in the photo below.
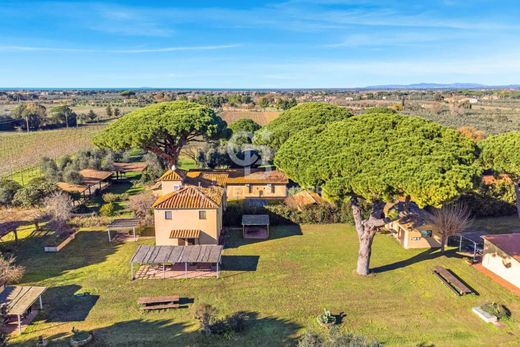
(336, 338)
(110, 197)
(9, 271)
(34, 192)
(8, 189)
(326, 318)
(141, 205)
(498, 310)
(206, 315)
(107, 210)
(71, 176)
(310, 339)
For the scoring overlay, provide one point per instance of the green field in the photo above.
(21, 151)
(283, 282)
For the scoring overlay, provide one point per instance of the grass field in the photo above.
(261, 117)
(19, 151)
(283, 282)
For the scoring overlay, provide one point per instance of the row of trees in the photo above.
(34, 116)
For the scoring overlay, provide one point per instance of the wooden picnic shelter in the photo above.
(17, 301)
(120, 169)
(90, 179)
(171, 255)
(255, 226)
(12, 219)
(122, 224)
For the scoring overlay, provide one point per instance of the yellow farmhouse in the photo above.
(190, 205)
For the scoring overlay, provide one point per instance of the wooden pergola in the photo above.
(123, 224)
(255, 220)
(120, 169)
(170, 255)
(18, 300)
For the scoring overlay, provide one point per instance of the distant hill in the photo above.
(441, 86)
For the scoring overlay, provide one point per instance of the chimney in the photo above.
(174, 167)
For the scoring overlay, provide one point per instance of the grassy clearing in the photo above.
(261, 117)
(284, 282)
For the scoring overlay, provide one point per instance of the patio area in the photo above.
(176, 262)
(176, 271)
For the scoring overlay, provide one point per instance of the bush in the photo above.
(71, 176)
(210, 325)
(494, 200)
(336, 338)
(107, 210)
(111, 197)
(498, 310)
(34, 192)
(326, 318)
(8, 189)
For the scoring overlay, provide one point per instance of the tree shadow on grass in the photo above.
(428, 254)
(240, 262)
(68, 304)
(265, 331)
(234, 238)
(88, 248)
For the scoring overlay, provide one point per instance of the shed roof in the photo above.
(20, 298)
(124, 223)
(255, 219)
(509, 243)
(146, 254)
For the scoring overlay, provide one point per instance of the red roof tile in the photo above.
(191, 197)
(509, 243)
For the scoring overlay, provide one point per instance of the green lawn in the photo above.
(299, 272)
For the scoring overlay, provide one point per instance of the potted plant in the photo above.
(80, 338)
(326, 319)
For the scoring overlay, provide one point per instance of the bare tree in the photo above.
(451, 219)
(9, 271)
(59, 207)
(141, 205)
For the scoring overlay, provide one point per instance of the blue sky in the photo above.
(256, 44)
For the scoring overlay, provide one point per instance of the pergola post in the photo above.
(185, 270)
(109, 237)
(217, 271)
(163, 271)
(268, 231)
(19, 324)
(41, 303)
(460, 243)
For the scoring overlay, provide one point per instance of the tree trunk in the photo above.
(365, 251)
(369, 229)
(358, 218)
(443, 243)
(517, 194)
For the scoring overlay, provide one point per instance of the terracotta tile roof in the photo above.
(191, 197)
(303, 199)
(509, 243)
(237, 176)
(185, 234)
(173, 175)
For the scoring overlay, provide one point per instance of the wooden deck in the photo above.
(176, 271)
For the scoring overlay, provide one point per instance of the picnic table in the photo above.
(158, 302)
(452, 281)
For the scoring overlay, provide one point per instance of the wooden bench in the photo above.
(451, 281)
(158, 302)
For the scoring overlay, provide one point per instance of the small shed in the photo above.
(255, 226)
(172, 255)
(128, 224)
(17, 301)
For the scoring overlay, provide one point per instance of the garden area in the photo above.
(282, 284)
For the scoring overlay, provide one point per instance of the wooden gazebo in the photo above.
(128, 224)
(255, 226)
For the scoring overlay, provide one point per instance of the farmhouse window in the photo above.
(426, 233)
(202, 214)
(167, 214)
